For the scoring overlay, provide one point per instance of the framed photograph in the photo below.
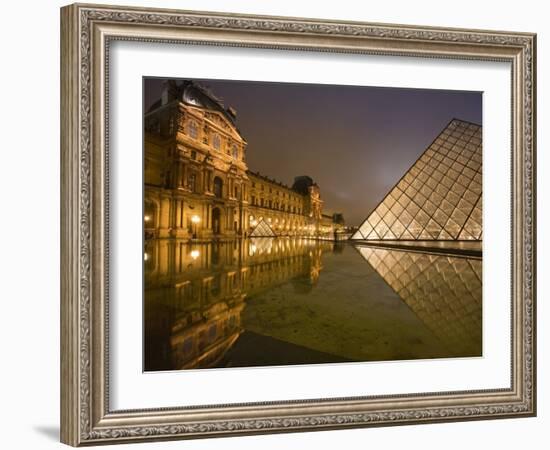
(277, 224)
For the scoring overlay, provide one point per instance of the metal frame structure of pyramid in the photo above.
(439, 197)
(262, 230)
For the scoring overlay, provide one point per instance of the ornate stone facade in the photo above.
(198, 184)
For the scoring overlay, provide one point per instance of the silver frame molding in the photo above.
(86, 32)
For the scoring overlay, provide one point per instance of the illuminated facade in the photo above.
(439, 198)
(197, 182)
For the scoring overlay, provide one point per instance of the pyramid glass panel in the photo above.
(262, 230)
(435, 199)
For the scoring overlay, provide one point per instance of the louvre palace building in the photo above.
(198, 184)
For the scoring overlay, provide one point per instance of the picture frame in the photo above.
(87, 32)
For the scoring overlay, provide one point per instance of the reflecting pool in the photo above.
(280, 301)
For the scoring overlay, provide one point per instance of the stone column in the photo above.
(184, 175)
(241, 219)
(163, 255)
(176, 181)
(178, 218)
(180, 174)
(164, 217)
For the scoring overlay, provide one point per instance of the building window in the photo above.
(192, 182)
(253, 200)
(216, 141)
(218, 187)
(193, 154)
(270, 203)
(261, 202)
(236, 192)
(235, 151)
(193, 129)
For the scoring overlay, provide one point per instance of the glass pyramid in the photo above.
(439, 198)
(444, 292)
(262, 230)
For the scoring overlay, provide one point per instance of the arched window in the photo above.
(235, 151)
(216, 141)
(218, 187)
(192, 129)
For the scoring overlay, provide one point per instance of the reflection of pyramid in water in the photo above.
(260, 245)
(262, 230)
(444, 292)
(439, 198)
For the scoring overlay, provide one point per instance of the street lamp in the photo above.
(195, 220)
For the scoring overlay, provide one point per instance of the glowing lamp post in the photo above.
(195, 220)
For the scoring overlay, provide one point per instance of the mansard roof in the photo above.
(193, 93)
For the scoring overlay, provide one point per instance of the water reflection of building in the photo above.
(197, 182)
(443, 291)
(194, 293)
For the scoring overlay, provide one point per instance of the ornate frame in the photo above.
(86, 31)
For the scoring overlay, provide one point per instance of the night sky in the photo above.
(355, 142)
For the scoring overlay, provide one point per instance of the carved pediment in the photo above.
(219, 120)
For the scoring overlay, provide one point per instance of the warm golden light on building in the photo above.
(197, 181)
